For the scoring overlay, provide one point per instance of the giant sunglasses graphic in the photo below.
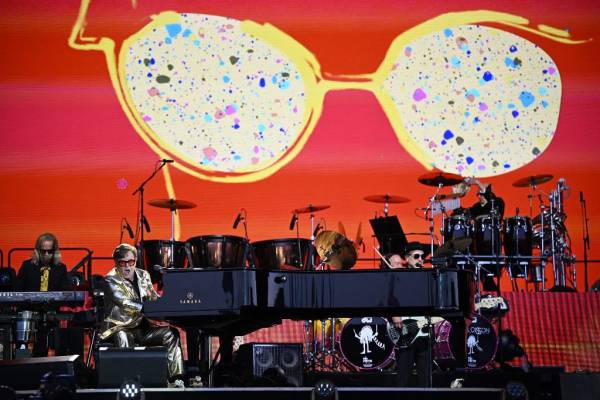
(235, 101)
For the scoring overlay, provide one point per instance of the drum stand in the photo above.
(323, 355)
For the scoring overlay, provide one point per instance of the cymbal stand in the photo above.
(429, 210)
(172, 255)
(310, 344)
(532, 189)
(386, 206)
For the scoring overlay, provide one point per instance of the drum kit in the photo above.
(486, 243)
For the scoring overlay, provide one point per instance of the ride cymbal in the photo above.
(440, 178)
(171, 204)
(532, 180)
(310, 209)
(338, 251)
(386, 198)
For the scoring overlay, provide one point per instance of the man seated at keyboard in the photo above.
(127, 287)
(43, 272)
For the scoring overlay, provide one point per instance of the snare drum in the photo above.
(365, 344)
(482, 343)
(277, 254)
(457, 227)
(217, 251)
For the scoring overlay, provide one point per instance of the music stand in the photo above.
(389, 234)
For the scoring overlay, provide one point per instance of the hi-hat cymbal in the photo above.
(440, 178)
(532, 180)
(172, 204)
(450, 247)
(310, 209)
(386, 198)
(338, 251)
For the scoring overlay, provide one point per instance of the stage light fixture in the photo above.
(516, 390)
(130, 390)
(324, 390)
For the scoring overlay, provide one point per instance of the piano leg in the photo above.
(222, 371)
(199, 353)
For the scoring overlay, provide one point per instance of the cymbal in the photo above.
(310, 209)
(452, 246)
(386, 198)
(532, 180)
(339, 251)
(171, 204)
(440, 178)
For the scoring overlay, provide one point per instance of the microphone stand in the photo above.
(586, 240)
(142, 217)
(250, 251)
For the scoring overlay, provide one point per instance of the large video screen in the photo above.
(274, 106)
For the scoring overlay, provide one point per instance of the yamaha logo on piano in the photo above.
(189, 299)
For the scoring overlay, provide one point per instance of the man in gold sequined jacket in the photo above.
(126, 288)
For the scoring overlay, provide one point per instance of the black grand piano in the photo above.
(238, 301)
(232, 302)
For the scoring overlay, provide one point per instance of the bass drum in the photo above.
(291, 254)
(482, 343)
(365, 344)
(217, 251)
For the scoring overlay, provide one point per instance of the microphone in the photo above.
(293, 221)
(581, 196)
(167, 161)
(128, 227)
(237, 221)
(159, 268)
(146, 224)
(517, 211)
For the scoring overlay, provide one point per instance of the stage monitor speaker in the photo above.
(272, 364)
(26, 373)
(147, 365)
(580, 386)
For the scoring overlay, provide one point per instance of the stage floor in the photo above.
(302, 393)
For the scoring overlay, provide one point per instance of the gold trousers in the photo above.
(147, 334)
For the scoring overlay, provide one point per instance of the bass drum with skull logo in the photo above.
(365, 344)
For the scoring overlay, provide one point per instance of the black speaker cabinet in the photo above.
(266, 362)
(25, 373)
(148, 365)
